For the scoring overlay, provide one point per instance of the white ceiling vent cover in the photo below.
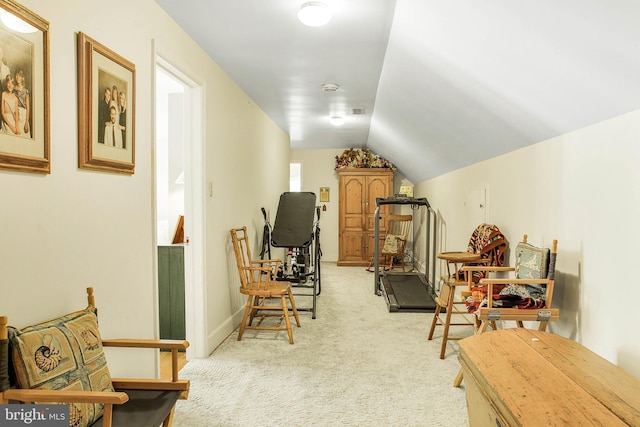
(358, 111)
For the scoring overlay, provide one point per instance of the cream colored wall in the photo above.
(582, 188)
(76, 228)
(248, 161)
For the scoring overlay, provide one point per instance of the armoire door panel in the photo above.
(353, 245)
(353, 223)
(354, 196)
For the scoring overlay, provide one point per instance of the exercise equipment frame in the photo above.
(412, 285)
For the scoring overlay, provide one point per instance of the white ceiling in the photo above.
(443, 84)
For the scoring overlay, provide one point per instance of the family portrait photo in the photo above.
(24, 90)
(112, 110)
(106, 108)
(16, 64)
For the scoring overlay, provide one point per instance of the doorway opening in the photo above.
(295, 176)
(179, 208)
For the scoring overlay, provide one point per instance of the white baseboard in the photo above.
(223, 331)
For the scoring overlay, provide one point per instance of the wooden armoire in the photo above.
(358, 190)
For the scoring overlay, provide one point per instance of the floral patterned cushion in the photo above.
(391, 243)
(531, 262)
(63, 354)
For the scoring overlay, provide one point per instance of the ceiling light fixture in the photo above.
(330, 87)
(336, 120)
(16, 24)
(314, 14)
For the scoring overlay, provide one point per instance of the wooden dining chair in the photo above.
(258, 282)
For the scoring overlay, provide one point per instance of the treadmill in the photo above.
(407, 291)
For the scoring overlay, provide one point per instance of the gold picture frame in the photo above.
(324, 194)
(24, 110)
(106, 126)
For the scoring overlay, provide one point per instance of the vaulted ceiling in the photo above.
(430, 85)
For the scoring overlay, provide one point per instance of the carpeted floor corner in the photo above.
(356, 364)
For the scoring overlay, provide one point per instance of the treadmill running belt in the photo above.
(411, 293)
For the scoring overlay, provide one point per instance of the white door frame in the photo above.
(194, 211)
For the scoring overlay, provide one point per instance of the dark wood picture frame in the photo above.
(24, 119)
(101, 70)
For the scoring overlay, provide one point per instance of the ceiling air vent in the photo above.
(358, 111)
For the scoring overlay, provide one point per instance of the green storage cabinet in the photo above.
(171, 292)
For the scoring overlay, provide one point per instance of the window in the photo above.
(295, 176)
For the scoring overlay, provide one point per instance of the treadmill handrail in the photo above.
(422, 201)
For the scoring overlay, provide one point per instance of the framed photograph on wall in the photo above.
(324, 194)
(24, 90)
(106, 108)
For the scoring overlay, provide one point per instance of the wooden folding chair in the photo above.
(525, 297)
(62, 361)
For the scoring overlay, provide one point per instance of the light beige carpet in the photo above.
(356, 364)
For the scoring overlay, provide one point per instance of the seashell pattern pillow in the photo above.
(63, 354)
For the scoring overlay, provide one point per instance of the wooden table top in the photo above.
(459, 256)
